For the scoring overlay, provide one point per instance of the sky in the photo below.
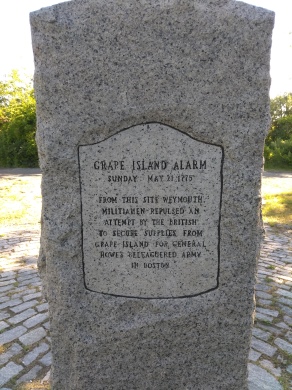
(16, 51)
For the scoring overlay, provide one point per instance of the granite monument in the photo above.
(151, 119)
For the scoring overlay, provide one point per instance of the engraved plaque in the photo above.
(151, 198)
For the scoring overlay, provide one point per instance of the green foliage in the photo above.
(278, 145)
(281, 106)
(17, 123)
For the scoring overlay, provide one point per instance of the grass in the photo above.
(271, 267)
(3, 349)
(34, 385)
(278, 209)
(268, 280)
(277, 201)
(20, 200)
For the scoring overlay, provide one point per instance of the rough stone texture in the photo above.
(12, 351)
(260, 379)
(31, 356)
(12, 334)
(22, 316)
(263, 347)
(9, 371)
(33, 336)
(284, 345)
(201, 67)
(30, 375)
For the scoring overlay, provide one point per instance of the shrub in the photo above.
(17, 123)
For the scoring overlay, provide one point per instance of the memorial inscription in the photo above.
(151, 200)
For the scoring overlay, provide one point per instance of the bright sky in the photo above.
(17, 53)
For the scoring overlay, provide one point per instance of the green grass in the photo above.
(268, 280)
(20, 200)
(271, 267)
(278, 209)
(277, 201)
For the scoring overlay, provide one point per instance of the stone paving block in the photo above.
(10, 303)
(288, 320)
(276, 282)
(263, 347)
(254, 355)
(36, 320)
(7, 274)
(12, 351)
(4, 315)
(269, 312)
(22, 316)
(12, 334)
(264, 295)
(287, 310)
(32, 296)
(285, 277)
(285, 301)
(26, 271)
(264, 271)
(260, 379)
(47, 325)
(265, 302)
(30, 375)
(28, 276)
(271, 368)
(261, 334)
(270, 328)
(46, 360)
(29, 282)
(286, 270)
(282, 325)
(4, 298)
(9, 371)
(36, 284)
(263, 317)
(4, 289)
(3, 325)
(16, 290)
(23, 306)
(33, 336)
(289, 336)
(31, 356)
(7, 282)
(262, 287)
(284, 293)
(284, 345)
(42, 307)
(18, 295)
(281, 286)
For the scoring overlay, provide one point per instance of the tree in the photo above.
(281, 106)
(17, 123)
(278, 145)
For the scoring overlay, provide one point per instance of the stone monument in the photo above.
(151, 124)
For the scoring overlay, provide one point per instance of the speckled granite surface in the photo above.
(202, 68)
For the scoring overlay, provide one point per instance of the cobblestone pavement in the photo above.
(24, 326)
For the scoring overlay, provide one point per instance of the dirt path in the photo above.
(277, 182)
(14, 172)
